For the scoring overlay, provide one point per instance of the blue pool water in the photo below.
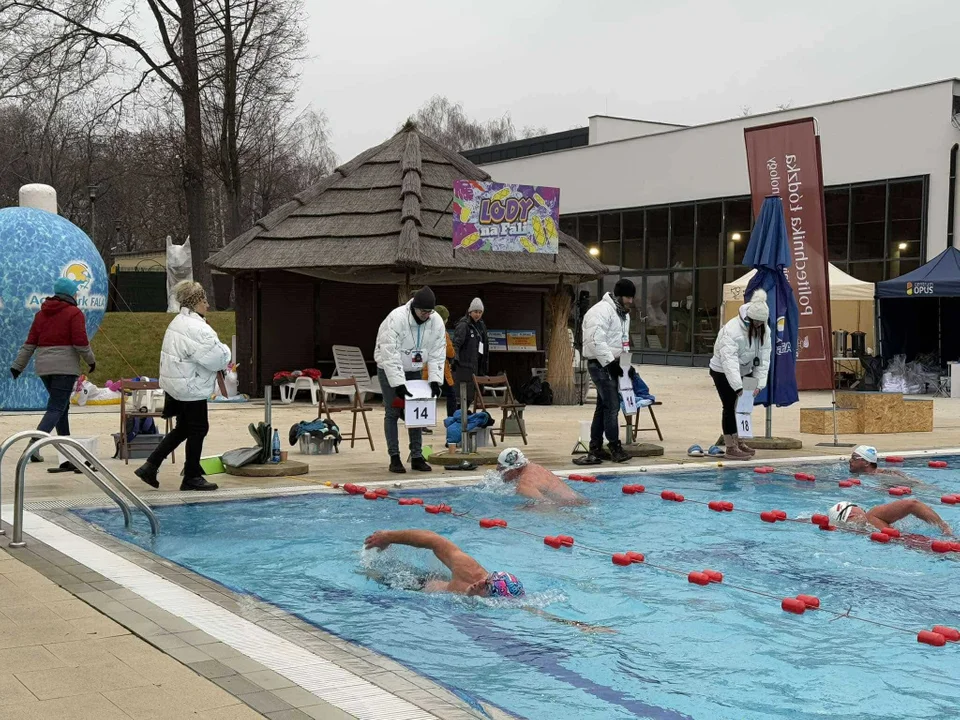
(680, 651)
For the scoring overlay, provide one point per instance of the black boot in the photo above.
(601, 453)
(148, 473)
(618, 454)
(396, 466)
(420, 465)
(197, 483)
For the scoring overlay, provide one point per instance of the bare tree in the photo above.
(447, 123)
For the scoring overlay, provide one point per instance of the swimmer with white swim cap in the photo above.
(863, 460)
(881, 516)
(535, 481)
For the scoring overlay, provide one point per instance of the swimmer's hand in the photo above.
(378, 540)
(944, 528)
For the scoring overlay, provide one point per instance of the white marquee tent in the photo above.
(851, 302)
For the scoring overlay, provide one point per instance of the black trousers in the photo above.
(728, 396)
(192, 427)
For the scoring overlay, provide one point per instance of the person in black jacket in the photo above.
(471, 348)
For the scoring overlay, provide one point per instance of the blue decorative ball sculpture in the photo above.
(36, 248)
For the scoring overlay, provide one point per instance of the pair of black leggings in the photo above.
(728, 396)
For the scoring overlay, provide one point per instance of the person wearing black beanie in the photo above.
(606, 339)
(411, 344)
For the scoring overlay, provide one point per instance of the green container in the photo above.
(212, 465)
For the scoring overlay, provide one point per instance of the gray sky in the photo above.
(554, 63)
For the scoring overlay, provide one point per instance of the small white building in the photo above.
(669, 206)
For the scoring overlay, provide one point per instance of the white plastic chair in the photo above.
(288, 391)
(350, 363)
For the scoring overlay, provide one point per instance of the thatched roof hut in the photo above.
(385, 218)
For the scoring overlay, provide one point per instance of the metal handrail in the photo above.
(10, 441)
(67, 445)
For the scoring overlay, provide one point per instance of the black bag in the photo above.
(546, 395)
(536, 392)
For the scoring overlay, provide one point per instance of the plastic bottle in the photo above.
(275, 455)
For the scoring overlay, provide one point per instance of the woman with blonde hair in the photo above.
(190, 359)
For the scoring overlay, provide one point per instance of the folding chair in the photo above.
(512, 410)
(350, 364)
(134, 387)
(356, 406)
(633, 423)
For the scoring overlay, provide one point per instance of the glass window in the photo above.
(633, 240)
(587, 231)
(709, 227)
(837, 210)
(868, 271)
(682, 224)
(656, 309)
(610, 239)
(707, 319)
(657, 228)
(869, 206)
(738, 214)
(906, 219)
(896, 268)
(681, 311)
(568, 225)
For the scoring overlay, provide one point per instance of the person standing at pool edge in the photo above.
(410, 338)
(742, 349)
(606, 336)
(190, 358)
(471, 348)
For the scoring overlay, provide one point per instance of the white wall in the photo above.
(896, 134)
(608, 129)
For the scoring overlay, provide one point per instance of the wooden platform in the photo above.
(870, 413)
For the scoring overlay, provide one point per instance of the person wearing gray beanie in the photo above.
(476, 305)
(471, 348)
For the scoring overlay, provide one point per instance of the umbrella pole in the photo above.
(769, 427)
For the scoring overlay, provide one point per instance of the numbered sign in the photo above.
(628, 400)
(420, 412)
(744, 425)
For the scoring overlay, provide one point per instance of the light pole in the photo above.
(92, 189)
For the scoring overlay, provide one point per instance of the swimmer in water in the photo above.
(863, 460)
(881, 516)
(534, 481)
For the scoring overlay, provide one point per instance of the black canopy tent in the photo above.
(918, 312)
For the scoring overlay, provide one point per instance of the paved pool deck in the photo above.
(77, 642)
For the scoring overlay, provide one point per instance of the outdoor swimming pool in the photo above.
(680, 651)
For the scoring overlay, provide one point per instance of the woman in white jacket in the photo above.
(190, 359)
(742, 350)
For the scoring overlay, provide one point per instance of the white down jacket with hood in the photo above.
(604, 331)
(190, 358)
(733, 354)
(400, 336)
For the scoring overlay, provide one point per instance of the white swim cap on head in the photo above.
(867, 452)
(511, 459)
(840, 512)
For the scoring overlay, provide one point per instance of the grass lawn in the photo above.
(138, 337)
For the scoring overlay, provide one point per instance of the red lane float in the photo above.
(382, 492)
(781, 514)
(845, 484)
(950, 499)
(714, 575)
(432, 509)
(828, 527)
(492, 522)
(949, 634)
(632, 489)
(698, 578)
(819, 519)
(880, 537)
(668, 495)
(929, 637)
(565, 540)
(891, 531)
(552, 541)
(893, 459)
(716, 505)
(938, 464)
(582, 478)
(804, 477)
(811, 601)
(371, 495)
(763, 470)
(635, 556)
(354, 489)
(793, 605)
(855, 481)
(768, 516)
(727, 506)
(678, 498)
(410, 501)
(941, 546)
(619, 559)
(897, 491)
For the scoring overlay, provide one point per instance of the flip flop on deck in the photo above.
(695, 451)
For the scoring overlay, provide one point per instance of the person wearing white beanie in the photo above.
(742, 349)
(472, 349)
(476, 306)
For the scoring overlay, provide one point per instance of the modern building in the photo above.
(669, 206)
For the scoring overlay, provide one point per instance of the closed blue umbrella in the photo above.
(769, 253)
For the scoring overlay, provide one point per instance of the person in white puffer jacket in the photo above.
(190, 359)
(606, 336)
(412, 337)
(742, 349)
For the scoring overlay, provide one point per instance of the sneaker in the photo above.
(618, 454)
(588, 459)
(601, 453)
(148, 473)
(36, 458)
(420, 465)
(733, 451)
(197, 483)
(743, 447)
(396, 465)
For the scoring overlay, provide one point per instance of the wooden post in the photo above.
(559, 348)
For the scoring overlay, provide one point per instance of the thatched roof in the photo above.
(385, 215)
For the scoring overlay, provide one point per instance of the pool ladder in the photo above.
(82, 459)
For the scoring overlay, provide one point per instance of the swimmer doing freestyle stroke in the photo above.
(535, 481)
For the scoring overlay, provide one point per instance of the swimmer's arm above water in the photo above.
(884, 515)
(446, 551)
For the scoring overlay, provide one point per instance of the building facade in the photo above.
(669, 206)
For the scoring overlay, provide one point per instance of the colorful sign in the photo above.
(505, 218)
(521, 340)
(784, 160)
(497, 340)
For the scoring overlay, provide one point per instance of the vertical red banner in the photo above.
(784, 160)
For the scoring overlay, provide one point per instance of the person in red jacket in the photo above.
(58, 339)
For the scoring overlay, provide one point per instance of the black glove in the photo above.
(454, 364)
(435, 388)
(615, 370)
(93, 368)
(631, 373)
(15, 373)
(402, 391)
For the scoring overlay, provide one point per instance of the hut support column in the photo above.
(559, 349)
